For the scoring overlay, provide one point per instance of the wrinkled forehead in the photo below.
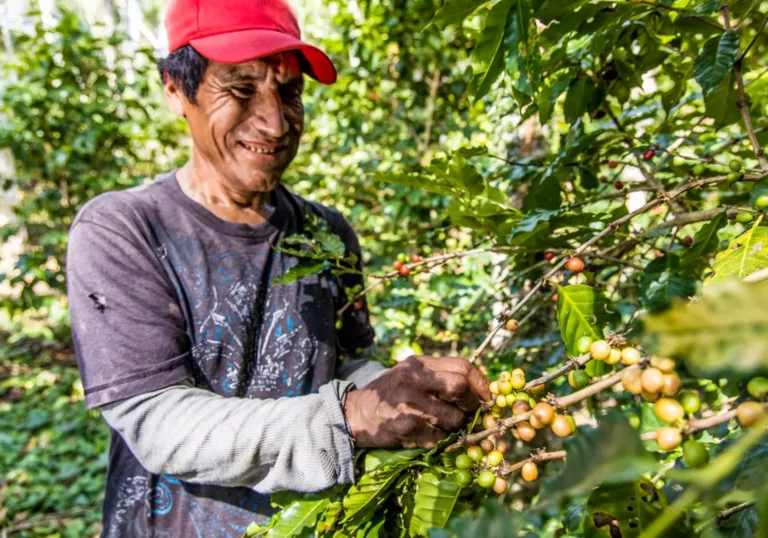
(286, 67)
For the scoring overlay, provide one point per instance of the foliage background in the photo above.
(82, 114)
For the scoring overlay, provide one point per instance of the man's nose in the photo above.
(267, 112)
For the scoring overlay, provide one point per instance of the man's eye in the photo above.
(241, 93)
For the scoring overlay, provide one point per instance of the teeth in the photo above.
(260, 150)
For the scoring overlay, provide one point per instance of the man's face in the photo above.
(247, 121)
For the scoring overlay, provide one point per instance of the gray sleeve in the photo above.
(299, 444)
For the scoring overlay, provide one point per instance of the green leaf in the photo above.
(435, 497)
(724, 330)
(575, 100)
(721, 103)
(418, 181)
(494, 520)
(716, 59)
(702, 10)
(298, 519)
(327, 521)
(705, 242)
(626, 510)
(297, 272)
(550, 10)
(370, 491)
(380, 458)
(583, 311)
(453, 11)
(662, 281)
(488, 56)
(747, 254)
(611, 453)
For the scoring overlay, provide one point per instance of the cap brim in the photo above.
(246, 45)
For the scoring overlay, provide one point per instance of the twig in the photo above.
(559, 403)
(692, 217)
(725, 514)
(757, 34)
(572, 364)
(535, 458)
(742, 104)
(701, 424)
(434, 85)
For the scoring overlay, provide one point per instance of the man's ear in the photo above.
(174, 96)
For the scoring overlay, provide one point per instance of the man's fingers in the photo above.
(427, 437)
(459, 365)
(440, 414)
(452, 387)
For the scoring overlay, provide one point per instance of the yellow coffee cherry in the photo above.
(600, 350)
(614, 357)
(630, 356)
(667, 366)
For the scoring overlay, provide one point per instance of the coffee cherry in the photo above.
(668, 438)
(536, 423)
(463, 478)
(488, 422)
(339, 324)
(671, 384)
(612, 164)
(544, 413)
(667, 366)
(695, 454)
(600, 350)
(529, 471)
(505, 386)
(397, 265)
(733, 176)
(583, 343)
(618, 185)
(548, 256)
(494, 458)
(526, 431)
(735, 165)
(668, 410)
(649, 154)
(494, 387)
(561, 426)
(687, 241)
(487, 445)
(415, 258)
(405, 270)
(762, 201)
(500, 486)
(690, 401)
(505, 375)
(699, 170)
(574, 265)
(402, 258)
(758, 387)
(744, 217)
(630, 356)
(632, 381)
(512, 325)
(475, 453)
(486, 479)
(518, 379)
(501, 401)
(538, 389)
(464, 462)
(749, 413)
(502, 446)
(578, 379)
(520, 407)
(653, 380)
(614, 357)
(650, 396)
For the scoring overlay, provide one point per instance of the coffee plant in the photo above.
(624, 304)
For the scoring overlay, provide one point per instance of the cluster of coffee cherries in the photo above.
(400, 266)
(485, 460)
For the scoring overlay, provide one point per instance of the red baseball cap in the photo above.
(236, 31)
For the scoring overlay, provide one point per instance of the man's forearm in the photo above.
(298, 443)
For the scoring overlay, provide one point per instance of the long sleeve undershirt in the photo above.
(299, 443)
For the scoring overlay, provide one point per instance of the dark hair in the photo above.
(186, 67)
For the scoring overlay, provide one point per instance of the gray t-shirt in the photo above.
(162, 291)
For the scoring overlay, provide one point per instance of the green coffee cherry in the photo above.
(735, 165)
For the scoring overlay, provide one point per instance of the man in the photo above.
(182, 341)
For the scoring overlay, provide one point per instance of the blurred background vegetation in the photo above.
(81, 112)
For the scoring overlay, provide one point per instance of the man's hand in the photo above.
(416, 403)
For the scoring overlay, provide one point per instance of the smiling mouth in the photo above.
(268, 151)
